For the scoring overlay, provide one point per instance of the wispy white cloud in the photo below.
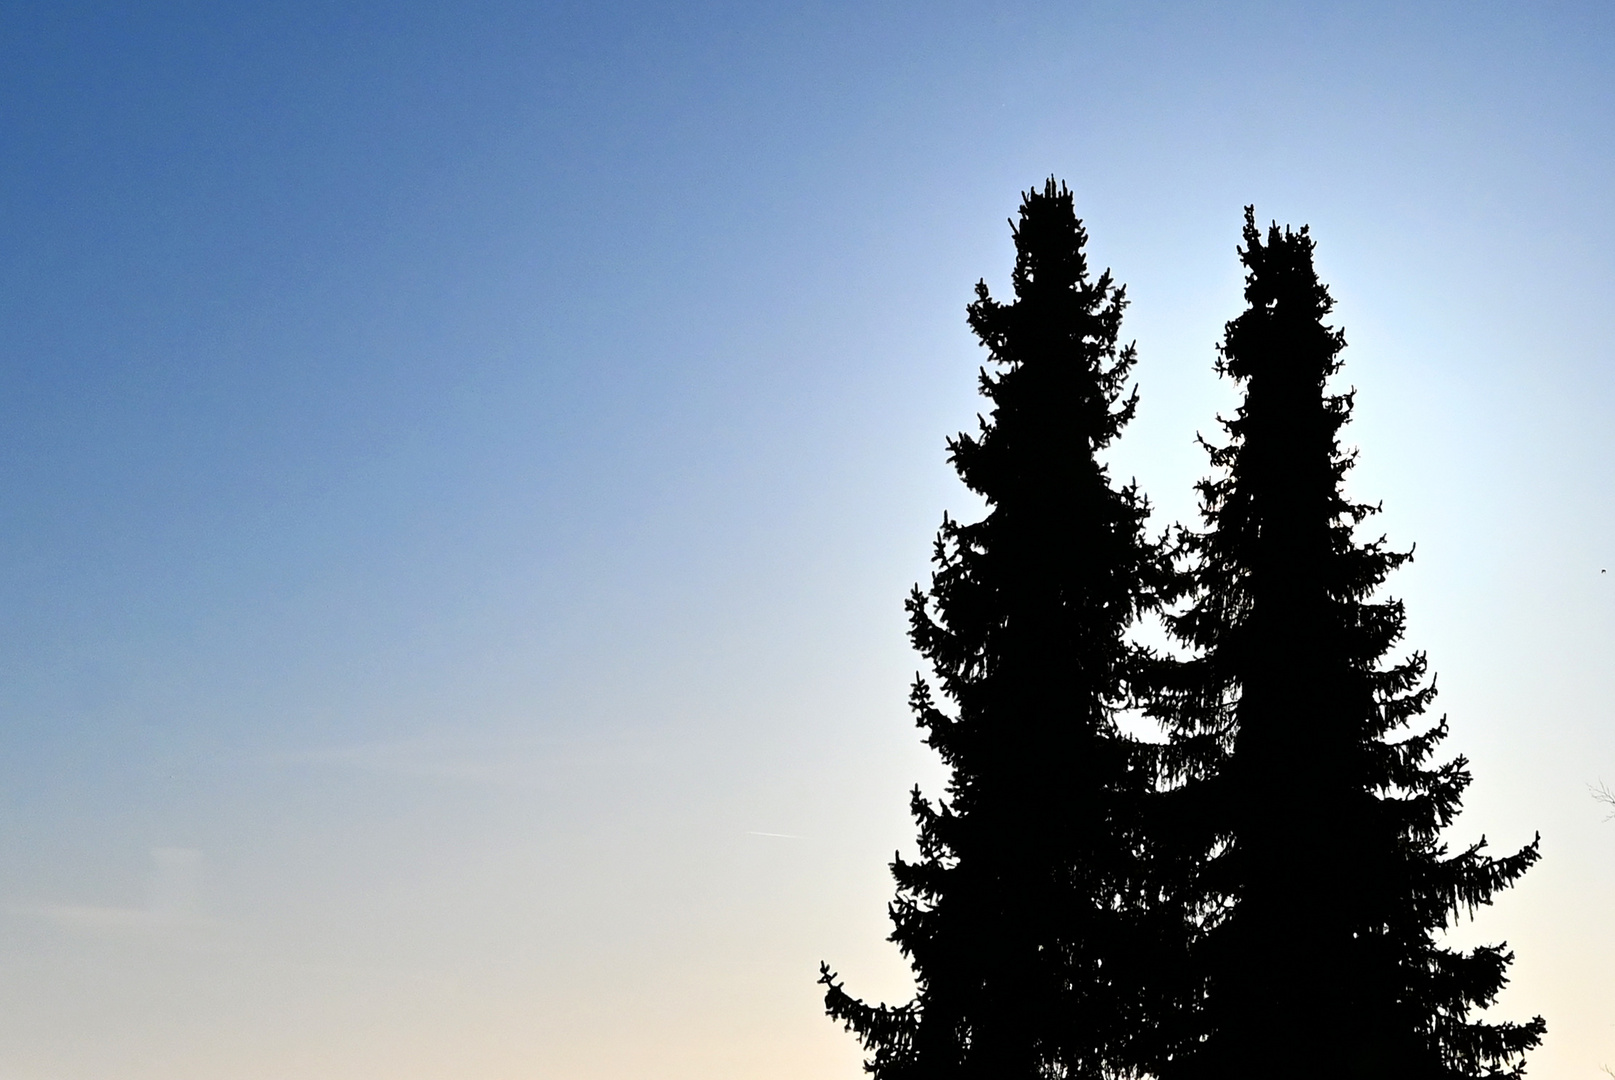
(476, 761)
(173, 901)
(418, 759)
(173, 888)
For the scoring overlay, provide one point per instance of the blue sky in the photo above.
(460, 468)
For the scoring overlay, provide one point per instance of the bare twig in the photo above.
(1603, 794)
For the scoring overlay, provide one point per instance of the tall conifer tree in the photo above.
(1325, 881)
(1024, 919)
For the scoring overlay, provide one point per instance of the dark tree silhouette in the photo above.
(1324, 880)
(1025, 919)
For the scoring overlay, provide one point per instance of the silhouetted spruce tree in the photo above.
(1326, 881)
(1024, 919)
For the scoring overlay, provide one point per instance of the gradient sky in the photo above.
(460, 467)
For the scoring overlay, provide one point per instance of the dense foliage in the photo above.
(1323, 881)
(1264, 894)
(1025, 918)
